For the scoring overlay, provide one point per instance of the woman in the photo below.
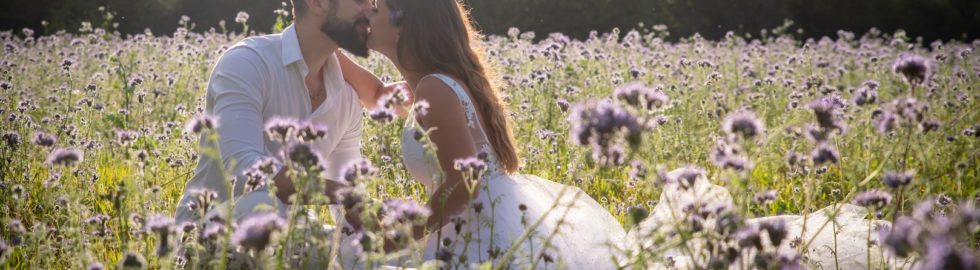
(429, 41)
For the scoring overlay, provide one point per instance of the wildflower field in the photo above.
(97, 147)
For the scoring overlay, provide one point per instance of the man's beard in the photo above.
(347, 36)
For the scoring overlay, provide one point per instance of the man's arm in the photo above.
(235, 99)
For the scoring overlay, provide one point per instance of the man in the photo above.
(294, 75)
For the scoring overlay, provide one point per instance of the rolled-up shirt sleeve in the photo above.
(235, 99)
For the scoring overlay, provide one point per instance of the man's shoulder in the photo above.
(265, 48)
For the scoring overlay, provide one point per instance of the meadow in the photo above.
(96, 145)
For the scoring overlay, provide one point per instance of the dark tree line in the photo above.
(931, 19)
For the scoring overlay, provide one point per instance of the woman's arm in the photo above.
(453, 141)
(368, 87)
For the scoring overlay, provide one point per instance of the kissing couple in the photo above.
(300, 74)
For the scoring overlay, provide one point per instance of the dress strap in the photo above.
(464, 98)
(471, 116)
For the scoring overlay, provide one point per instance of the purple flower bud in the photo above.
(826, 111)
(11, 138)
(44, 139)
(471, 167)
(873, 199)
(421, 108)
(383, 115)
(280, 128)
(743, 122)
(410, 212)
(309, 132)
(201, 123)
(896, 179)
(359, 169)
(824, 153)
(255, 231)
(65, 157)
(765, 197)
(303, 155)
(913, 67)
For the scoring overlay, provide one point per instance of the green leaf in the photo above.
(115, 120)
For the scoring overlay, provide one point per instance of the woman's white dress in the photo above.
(576, 232)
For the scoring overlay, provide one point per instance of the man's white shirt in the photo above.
(261, 78)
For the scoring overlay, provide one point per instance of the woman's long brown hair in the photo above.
(436, 36)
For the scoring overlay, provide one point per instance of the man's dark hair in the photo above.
(299, 8)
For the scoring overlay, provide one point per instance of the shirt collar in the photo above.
(291, 52)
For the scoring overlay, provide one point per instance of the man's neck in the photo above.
(315, 46)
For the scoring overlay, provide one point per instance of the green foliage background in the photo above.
(931, 19)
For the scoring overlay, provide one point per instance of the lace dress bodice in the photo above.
(422, 163)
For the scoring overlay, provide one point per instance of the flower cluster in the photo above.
(603, 125)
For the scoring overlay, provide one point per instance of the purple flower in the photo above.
(309, 132)
(776, 230)
(280, 128)
(563, 105)
(471, 167)
(398, 211)
(885, 122)
(748, 237)
(350, 198)
(930, 125)
(242, 17)
(359, 169)
(200, 123)
(421, 108)
(66, 157)
(873, 199)
(212, 231)
(941, 253)
(897, 179)
(44, 139)
(204, 199)
(686, 177)
(727, 154)
(765, 197)
(865, 96)
(125, 136)
(638, 170)
(383, 115)
(303, 155)
(164, 227)
(255, 231)
(824, 153)
(601, 124)
(910, 109)
(826, 111)
(11, 138)
(743, 122)
(641, 96)
(902, 237)
(913, 67)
